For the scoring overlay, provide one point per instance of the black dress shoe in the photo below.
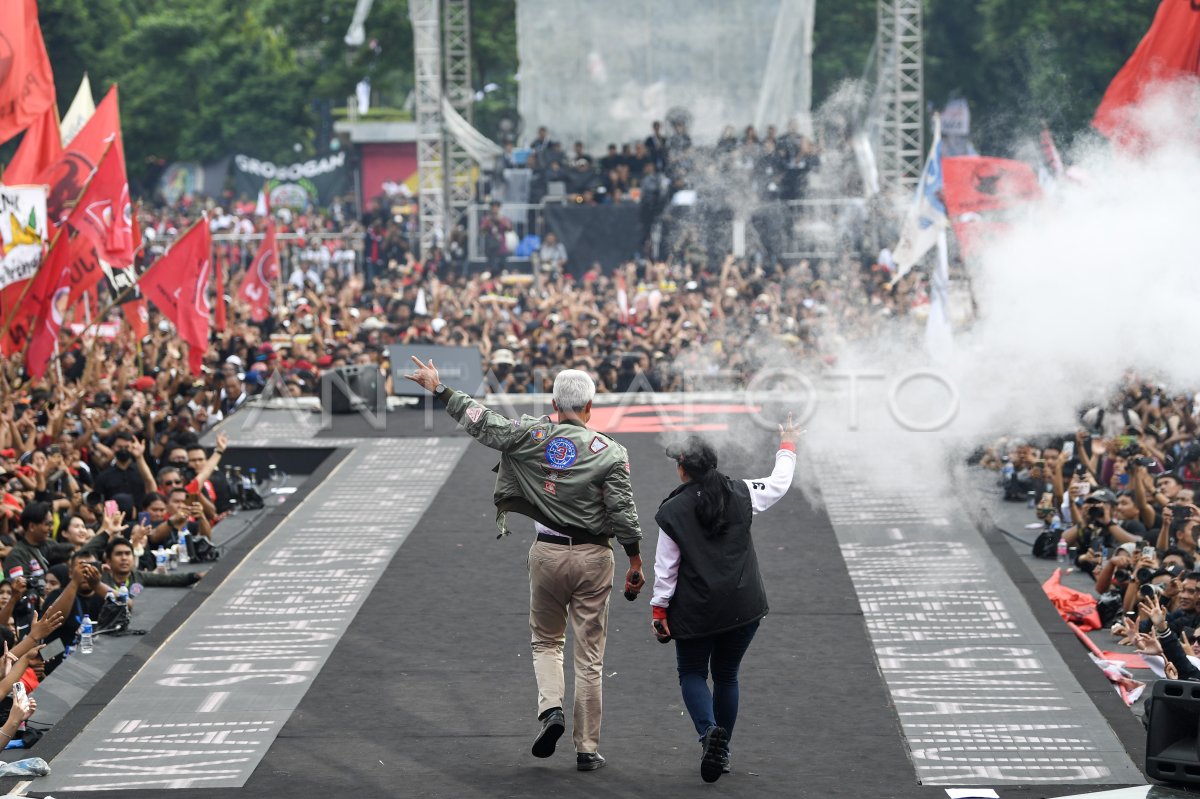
(552, 729)
(712, 762)
(589, 761)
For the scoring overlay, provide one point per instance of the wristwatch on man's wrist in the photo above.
(439, 388)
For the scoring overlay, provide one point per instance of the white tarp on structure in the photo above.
(602, 72)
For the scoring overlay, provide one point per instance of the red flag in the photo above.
(26, 80)
(41, 147)
(28, 303)
(1050, 157)
(980, 193)
(135, 229)
(178, 284)
(85, 271)
(104, 214)
(255, 289)
(1169, 50)
(136, 316)
(221, 321)
(67, 176)
(52, 308)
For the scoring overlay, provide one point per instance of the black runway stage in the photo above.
(430, 691)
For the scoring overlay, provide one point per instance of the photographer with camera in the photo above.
(1096, 530)
(29, 558)
(1178, 529)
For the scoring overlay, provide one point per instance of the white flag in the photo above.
(927, 216)
(22, 232)
(938, 332)
(81, 110)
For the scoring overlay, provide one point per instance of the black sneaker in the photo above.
(553, 726)
(589, 761)
(712, 762)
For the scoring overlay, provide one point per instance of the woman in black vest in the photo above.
(708, 594)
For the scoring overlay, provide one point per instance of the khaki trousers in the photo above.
(570, 581)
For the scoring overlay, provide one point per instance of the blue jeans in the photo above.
(723, 653)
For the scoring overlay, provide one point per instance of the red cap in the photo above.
(8, 453)
(325, 361)
(144, 383)
(302, 366)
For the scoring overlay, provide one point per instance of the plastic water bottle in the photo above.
(1062, 550)
(183, 547)
(1007, 471)
(254, 478)
(85, 635)
(123, 595)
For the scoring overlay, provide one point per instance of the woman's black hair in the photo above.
(699, 460)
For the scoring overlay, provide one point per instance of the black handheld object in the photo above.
(660, 632)
(632, 595)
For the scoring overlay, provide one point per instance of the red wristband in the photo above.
(659, 614)
(790, 446)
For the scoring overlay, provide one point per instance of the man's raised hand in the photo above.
(426, 375)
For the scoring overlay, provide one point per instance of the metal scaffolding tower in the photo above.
(456, 59)
(427, 49)
(901, 88)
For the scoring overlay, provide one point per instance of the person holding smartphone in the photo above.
(708, 594)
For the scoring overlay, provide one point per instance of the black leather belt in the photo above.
(583, 538)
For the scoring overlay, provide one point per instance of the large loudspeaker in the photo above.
(1173, 741)
(351, 389)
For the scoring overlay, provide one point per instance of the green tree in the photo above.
(1020, 63)
(201, 79)
(494, 61)
(843, 35)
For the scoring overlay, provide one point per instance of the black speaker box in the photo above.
(351, 389)
(1173, 739)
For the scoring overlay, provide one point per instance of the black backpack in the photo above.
(1046, 544)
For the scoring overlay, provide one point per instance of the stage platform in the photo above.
(374, 642)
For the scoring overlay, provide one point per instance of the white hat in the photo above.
(437, 324)
(503, 357)
(235, 360)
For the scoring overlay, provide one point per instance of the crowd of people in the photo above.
(664, 170)
(1117, 504)
(774, 166)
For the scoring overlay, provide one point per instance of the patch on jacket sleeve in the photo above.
(550, 488)
(597, 446)
(475, 413)
(537, 434)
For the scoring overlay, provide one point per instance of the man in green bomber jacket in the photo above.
(574, 483)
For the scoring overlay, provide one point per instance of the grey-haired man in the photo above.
(574, 483)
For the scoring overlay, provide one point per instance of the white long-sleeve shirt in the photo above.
(764, 492)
